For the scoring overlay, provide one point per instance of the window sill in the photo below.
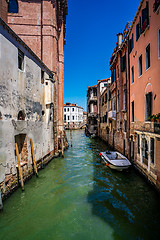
(22, 71)
(147, 69)
(140, 76)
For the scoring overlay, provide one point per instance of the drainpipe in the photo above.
(120, 37)
(41, 30)
(120, 53)
(128, 102)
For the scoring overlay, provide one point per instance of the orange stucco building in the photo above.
(41, 25)
(144, 71)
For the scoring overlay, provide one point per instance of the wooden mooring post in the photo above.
(62, 148)
(33, 157)
(71, 136)
(1, 204)
(19, 167)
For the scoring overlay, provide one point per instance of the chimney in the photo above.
(120, 36)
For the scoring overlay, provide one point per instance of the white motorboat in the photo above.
(115, 160)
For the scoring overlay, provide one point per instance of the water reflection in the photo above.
(124, 201)
(77, 197)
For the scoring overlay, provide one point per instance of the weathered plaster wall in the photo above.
(23, 90)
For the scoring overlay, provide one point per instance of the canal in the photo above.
(77, 197)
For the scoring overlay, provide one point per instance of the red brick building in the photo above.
(3, 9)
(119, 90)
(41, 24)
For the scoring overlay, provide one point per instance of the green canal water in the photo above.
(77, 197)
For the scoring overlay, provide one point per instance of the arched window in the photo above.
(21, 115)
(13, 6)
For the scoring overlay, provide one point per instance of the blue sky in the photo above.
(92, 26)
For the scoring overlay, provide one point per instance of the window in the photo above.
(159, 43)
(140, 65)
(68, 117)
(13, 6)
(42, 77)
(102, 100)
(64, 117)
(113, 75)
(132, 111)
(131, 44)
(156, 5)
(72, 109)
(68, 109)
(118, 101)
(125, 100)
(123, 63)
(20, 60)
(64, 109)
(21, 115)
(132, 74)
(114, 104)
(146, 150)
(117, 72)
(148, 106)
(152, 149)
(138, 144)
(125, 126)
(72, 117)
(105, 97)
(148, 56)
(145, 18)
(138, 29)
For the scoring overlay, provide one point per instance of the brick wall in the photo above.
(3, 10)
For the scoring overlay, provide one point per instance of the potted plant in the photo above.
(152, 118)
(158, 117)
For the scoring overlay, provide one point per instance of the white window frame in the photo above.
(139, 66)
(117, 71)
(146, 59)
(159, 43)
(132, 74)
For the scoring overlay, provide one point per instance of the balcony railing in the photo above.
(152, 127)
(93, 98)
(112, 114)
(92, 114)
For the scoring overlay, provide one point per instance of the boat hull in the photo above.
(116, 164)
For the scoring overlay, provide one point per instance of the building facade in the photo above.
(41, 25)
(145, 89)
(104, 109)
(26, 109)
(119, 90)
(101, 86)
(92, 128)
(130, 122)
(73, 116)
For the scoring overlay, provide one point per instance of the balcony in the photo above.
(92, 114)
(151, 127)
(112, 115)
(92, 98)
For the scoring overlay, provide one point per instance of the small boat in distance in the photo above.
(115, 160)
